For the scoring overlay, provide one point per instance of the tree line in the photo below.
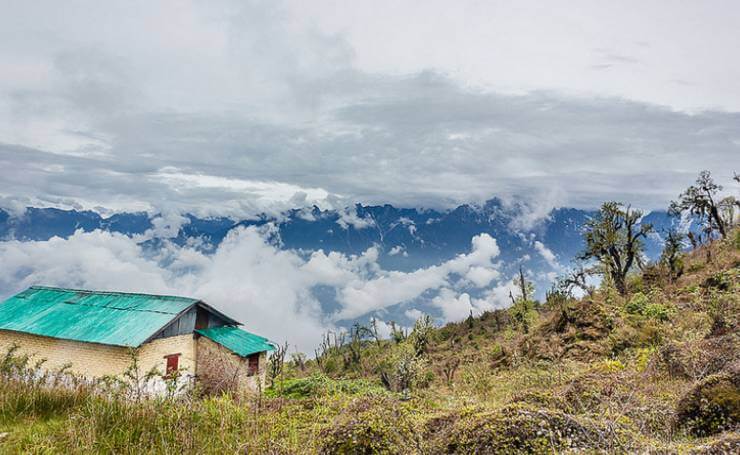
(615, 237)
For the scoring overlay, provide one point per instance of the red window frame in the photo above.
(172, 365)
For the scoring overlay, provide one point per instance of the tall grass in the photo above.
(54, 412)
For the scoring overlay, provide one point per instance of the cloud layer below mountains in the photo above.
(270, 290)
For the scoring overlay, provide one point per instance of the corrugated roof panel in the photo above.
(237, 340)
(113, 318)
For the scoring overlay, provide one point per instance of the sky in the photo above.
(236, 108)
(246, 107)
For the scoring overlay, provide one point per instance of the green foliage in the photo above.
(641, 333)
(520, 429)
(403, 370)
(371, 428)
(615, 239)
(319, 385)
(643, 305)
(422, 335)
(712, 406)
(671, 257)
(523, 313)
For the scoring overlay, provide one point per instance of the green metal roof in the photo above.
(236, 340)
(113, 318)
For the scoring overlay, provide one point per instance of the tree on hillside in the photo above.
(702, 200)
(615, 238)
(671, 256)
(522, 307)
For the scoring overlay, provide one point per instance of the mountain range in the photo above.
(407, 238)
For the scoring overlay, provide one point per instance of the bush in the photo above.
(643, 305)
(729, 443)
(636, 334)
(519, 429)
(320, 385)
(699, 358)
(403, 370)
(711, 406)
(370, 427)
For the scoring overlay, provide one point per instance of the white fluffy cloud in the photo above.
(268, 289)
(393, 287)
(547, 255)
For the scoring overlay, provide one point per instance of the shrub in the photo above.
(422, 334)
(700, 358)
(644, 305)
(320, 385)
(723, 281)
(711, 406)
(370, 427)
(403, 370)
(728, 443)
(519, 429)
(636, 334)
(609, 366)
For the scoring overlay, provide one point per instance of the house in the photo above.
(92, 334)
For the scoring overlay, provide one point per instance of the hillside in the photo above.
(657, 370)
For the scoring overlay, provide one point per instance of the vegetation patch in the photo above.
(371, 427)
(712, 406)
(521, 429)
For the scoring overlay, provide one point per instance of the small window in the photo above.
(173, 364)
(253, 364)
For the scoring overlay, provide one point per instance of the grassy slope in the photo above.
(657, 370)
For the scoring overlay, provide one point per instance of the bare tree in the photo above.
(523, 285)
(299, 360)
(577, 278)
(277, 363)
(374, 330)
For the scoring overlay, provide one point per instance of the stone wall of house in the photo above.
(221, 370)
(152, 354)
(96, 360)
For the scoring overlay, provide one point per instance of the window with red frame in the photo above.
(173, 364)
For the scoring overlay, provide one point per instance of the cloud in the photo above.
(348, 217)
(167, 225)
(414, 314)
(390, 288)
(547, 255)
(268, 289)
(281, 102)
(454, 307)
(481, 276)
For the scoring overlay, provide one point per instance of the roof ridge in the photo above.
(88, 291)
(125, 309)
